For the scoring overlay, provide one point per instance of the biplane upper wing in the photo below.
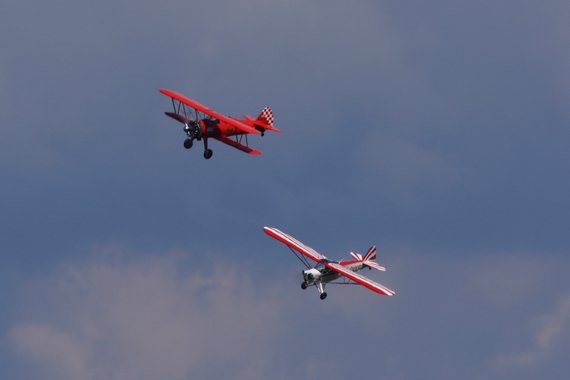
(235, 144)
(208, 111)
(294, 244)
(189, 102)
(359, 279)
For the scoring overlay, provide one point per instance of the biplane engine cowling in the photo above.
(194, 129)
(310, 275)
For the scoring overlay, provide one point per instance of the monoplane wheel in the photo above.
(208, 154)
(188, 143)
(303, 285)
(323, 296)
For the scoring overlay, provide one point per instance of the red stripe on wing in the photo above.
(293, 243)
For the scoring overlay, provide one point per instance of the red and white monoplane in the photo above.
(329, 271)
(201, 123)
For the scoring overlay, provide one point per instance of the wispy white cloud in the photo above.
(171, 316)
(148, 320)
(52, 348)
(551, 329)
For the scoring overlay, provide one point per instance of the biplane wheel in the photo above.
(323, 296)
(303, 285)
(188, 143)
(208, 154)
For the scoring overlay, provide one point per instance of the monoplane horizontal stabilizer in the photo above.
(369, 259)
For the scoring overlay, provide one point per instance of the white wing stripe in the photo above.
(374, 265)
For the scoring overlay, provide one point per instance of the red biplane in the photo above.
(201, 123)
(329, 271)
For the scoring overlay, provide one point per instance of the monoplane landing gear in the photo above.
(304, 285)
(188, 143)
(321, 289)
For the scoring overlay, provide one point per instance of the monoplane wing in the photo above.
(235, 144)
(208, 111)
(359, 279)
(294, 244)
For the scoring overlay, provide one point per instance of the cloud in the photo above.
(550, 331)
(53, 348)
(124, 315)
(148, 320)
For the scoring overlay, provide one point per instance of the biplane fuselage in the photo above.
(211, 128)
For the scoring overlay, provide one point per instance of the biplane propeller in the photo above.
(202, 123)
(328, 271)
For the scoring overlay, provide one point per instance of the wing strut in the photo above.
(302, 259)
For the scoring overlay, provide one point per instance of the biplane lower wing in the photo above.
(360, 279)
(178, 117)
(237, 145)
(294, 244)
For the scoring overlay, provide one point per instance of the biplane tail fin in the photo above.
(267, 120)
(266, 117)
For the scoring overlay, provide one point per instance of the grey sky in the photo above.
(438, 131)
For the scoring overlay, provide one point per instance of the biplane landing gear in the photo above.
(323, 296)
(188, 143)
(303, 285)
(208, 154)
